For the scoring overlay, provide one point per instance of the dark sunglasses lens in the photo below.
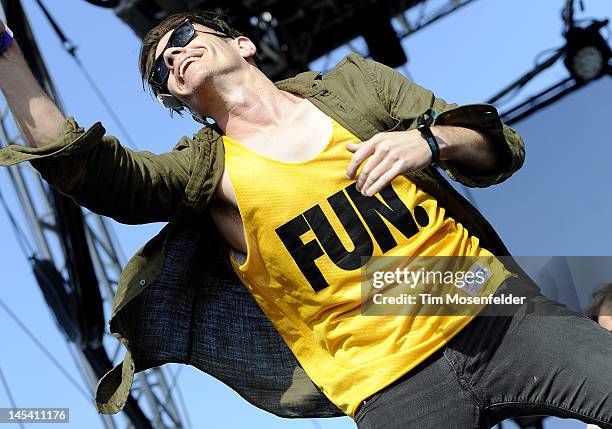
(179, 38)
(181, 35)
(160, 72)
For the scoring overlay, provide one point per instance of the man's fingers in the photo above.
(382, 181)
(374, 167)
(352, 147)
(365, 149)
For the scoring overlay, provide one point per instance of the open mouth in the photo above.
(185, 65)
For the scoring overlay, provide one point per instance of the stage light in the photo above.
(587, 52)
(588, 63)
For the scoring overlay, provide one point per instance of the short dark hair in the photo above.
(153, 36)
(599, 298)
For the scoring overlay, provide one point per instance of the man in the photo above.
(295, 185)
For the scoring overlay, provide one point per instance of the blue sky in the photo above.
(558, 204)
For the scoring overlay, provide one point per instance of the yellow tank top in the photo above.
(305, 240)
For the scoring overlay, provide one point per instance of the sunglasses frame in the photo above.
(158, 77)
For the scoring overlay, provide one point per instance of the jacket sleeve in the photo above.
(132, 187)
(406, 100)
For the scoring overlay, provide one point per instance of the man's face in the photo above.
(205, 59)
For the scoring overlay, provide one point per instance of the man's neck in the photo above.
(250, 105)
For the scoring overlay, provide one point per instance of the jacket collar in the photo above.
(306, 84)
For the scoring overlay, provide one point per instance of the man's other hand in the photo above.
(387, 155)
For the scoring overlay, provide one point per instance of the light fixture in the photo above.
(587, 52)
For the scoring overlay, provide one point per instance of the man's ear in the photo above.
(246, 47)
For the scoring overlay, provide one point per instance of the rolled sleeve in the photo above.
(505, 142)
(132, 187)
(73, 141)
(406, 101)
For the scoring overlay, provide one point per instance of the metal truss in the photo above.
(291, 35)
(43, 235)
(428, 12)
(411, 17)
(152, 390)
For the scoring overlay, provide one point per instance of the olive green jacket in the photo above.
(162, 314)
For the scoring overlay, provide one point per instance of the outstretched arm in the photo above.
(92, 168)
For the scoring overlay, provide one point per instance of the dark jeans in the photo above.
(536, 359)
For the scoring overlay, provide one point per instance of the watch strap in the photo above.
(6, 38)
(423, 123)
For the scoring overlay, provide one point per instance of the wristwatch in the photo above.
(6, 38)
(423, 123)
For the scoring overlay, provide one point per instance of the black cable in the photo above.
(536, 60)
(106, 104)
(65, 41)
(10, 395)
(45, 351)
(71, 48)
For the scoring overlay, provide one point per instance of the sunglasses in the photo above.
(179, 38)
